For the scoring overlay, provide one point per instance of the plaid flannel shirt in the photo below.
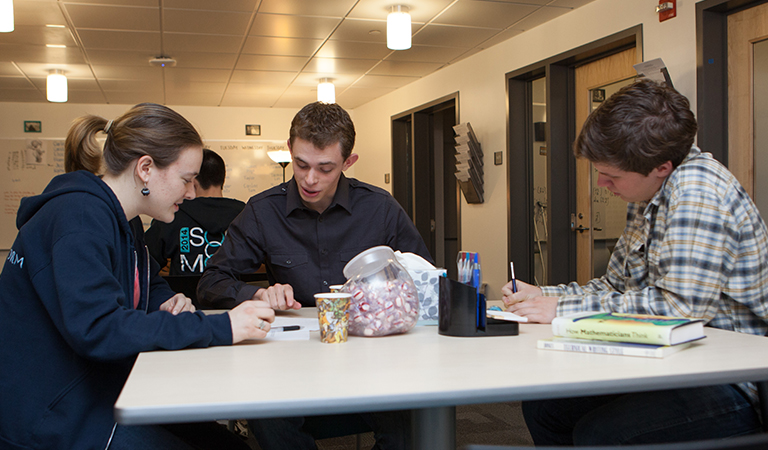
(698, 249)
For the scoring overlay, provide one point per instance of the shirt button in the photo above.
(325, 283)
(324, 251)
(288, 262)
(320, 219)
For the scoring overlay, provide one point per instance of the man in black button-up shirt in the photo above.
(305, 231)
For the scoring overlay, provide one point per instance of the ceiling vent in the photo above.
(162, 61)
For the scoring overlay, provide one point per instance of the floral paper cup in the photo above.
(333, 313)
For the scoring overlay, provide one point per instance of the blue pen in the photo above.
(512, 269)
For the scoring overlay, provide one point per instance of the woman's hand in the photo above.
(251, 320)
(178, 303)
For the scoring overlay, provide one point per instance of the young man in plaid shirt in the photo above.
(694, 246)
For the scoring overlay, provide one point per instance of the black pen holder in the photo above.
(462, 313)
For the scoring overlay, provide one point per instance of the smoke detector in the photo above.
(162, 61)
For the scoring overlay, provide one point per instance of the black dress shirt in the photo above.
(302, 247)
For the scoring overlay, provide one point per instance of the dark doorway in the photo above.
(423, 180)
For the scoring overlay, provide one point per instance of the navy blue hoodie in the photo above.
(69, 333)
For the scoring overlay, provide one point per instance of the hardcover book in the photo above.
(610, 348)
(637, 328)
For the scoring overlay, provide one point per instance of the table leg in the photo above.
(434, 428)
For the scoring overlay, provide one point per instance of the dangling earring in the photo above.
(145, 190)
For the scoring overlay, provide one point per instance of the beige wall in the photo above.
(480, 82)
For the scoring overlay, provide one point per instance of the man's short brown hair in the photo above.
(324, 124)
(639, 128)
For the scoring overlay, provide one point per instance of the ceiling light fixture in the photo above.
(399, 28)
(6, 16)
(326, 91)
(56, 86)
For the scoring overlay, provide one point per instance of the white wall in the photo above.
(479, 80)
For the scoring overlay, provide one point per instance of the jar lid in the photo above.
(369, 261)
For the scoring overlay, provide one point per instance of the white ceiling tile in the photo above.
(220, 5)
(327, 8)
(7, 69)
(293, 26)
(485, 14)
(114, 17)
(120, 57)
(422, 53)
(362, 31)
(41, 70)
(312, 79)
(37, 13)
(452, 36)
(384, 81)
(405, 68)
(145, 41)
(145, 3)
(206, 22)
(297, 97)
(131, 85)
(332, 66)
(41, 54)
(543, 14)
(185, 42)
(194, 86)
(199, 60)
(37, 35)
(264, 45)
(182, 75)
(128, 72)
(420, 11)
(347, 49)
(81, 84)
(263, 77)
(570, 3)
(269, 62)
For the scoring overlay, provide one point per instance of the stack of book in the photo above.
(469, 163)
(623, 334)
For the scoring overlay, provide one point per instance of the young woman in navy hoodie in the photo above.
(77, 299)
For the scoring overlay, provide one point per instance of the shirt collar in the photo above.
(341, 197)
(662, 193)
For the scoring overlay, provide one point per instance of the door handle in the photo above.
(581, 229)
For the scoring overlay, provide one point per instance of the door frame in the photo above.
(712, 73)
(561, 164)
(406, 191)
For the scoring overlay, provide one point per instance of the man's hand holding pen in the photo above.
(528, 302)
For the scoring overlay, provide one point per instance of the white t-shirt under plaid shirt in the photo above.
(698, 248)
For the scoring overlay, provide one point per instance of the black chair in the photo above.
(751, 442)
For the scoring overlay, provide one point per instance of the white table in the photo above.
(420, 370)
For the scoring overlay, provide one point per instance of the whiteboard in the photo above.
(28, 165)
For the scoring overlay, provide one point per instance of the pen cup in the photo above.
(333, 313)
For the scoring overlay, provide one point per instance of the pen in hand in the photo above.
(514, 284)
(286, 328)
